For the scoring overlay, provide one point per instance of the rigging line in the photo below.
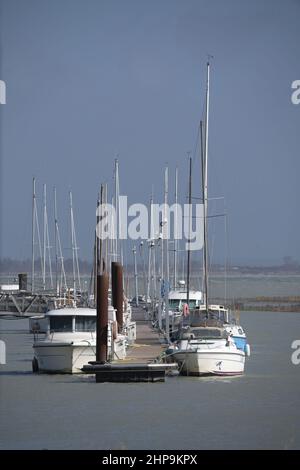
(201, 217)
(196, 142)
(38, 234)
(229, 257)
(210, 261)
(225, 262)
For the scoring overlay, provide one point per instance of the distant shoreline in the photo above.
(267, 304)
(12, 267)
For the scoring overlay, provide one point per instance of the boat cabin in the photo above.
(72, 320)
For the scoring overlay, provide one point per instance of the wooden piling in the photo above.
(102, 317)
(22, 281)
(117, 292)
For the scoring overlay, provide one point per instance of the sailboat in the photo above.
(210, 343)
(180, 297)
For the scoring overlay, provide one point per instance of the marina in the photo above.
(34, 406)
(149, 245)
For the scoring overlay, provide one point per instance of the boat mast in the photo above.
(151, 286)
(166, 236)
(74, 251)
(190, 221)
(205, 191)
(142, 257)
(202, 179)
(46, 242)
(175, 228)
(44, 238)
(149, 253)
(55, 242)
(116, 206)
(58, 247)
(49, 250)
(33, 234)
(35, 226)
(166, 222)
(135, 277)
(73, 245)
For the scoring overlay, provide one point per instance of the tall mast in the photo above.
(135, 277)
(33, 234)
(190, 221)
(44, 237)
(46, 242)
(58, 250)
(55, 242)
(74, 250)
(205, 192)
(175, 228)
(150, 255)
(35, 227)
(202, 180)
(166, 241)
(166, 222)
(73, 245)
(116, 205)
(141, 250)
(48, 247)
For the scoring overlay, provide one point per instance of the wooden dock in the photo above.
(149, 345)
(142, 360)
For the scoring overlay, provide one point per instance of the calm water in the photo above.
(258, 410)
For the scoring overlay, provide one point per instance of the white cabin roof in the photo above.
(9, 287)
(182, 295)
(71, 311)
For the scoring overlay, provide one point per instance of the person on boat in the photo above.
(185, 310)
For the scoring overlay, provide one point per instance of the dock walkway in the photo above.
(148, 345)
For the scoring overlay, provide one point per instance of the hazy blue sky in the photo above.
(89, 79)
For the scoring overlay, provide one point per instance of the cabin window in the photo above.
(84, 323)
(61, 324)
(173, 303)
(207, 333)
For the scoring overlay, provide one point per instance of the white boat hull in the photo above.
(67, 358)
(64, 358)
(210, 362)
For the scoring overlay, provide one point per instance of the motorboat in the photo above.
(70, 341)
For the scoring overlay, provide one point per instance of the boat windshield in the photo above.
(84, 323)
(174, 303)
(61, 323)
(208, 333)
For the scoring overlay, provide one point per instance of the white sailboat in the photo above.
(207, 345)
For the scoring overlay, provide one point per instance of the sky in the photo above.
(88, 80)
